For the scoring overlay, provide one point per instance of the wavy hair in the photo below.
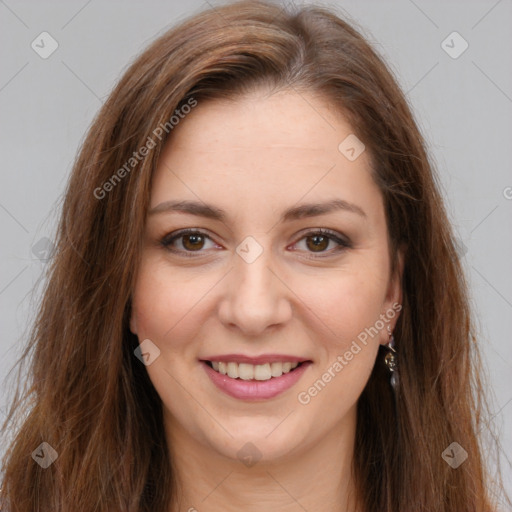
(86, 394)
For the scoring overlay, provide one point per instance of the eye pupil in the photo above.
(319, 241)
(195, 239)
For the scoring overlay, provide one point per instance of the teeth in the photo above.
(233, 370)
(262, 372)
(276, 369)
(246, 371)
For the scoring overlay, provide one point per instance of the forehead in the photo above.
(284, 123)
(271, 148)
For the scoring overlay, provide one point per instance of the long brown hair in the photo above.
(90, 398)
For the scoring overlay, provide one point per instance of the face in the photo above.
(262, 278)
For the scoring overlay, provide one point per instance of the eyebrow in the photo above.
(294, 213)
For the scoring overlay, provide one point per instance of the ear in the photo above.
(393, 302)
(133, 321)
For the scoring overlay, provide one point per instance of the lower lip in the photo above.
(255, 389)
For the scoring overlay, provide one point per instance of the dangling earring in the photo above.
(391, 361)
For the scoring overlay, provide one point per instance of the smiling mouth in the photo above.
(259, 372)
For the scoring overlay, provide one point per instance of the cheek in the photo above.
(165, 309)
(161, 301)
(345, 301)
(344, 308)
(346, 312)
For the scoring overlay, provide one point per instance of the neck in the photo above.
(314, 477)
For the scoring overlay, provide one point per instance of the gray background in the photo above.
(463, 106)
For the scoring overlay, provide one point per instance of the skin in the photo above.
(254, 158)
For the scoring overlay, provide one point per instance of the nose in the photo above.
(256, 297)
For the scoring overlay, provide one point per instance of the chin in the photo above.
(256, 440)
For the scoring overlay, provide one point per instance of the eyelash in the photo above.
(331, 235)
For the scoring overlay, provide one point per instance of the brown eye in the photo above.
(318, 242)
(193, 242)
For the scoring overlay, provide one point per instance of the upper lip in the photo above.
(264, 358)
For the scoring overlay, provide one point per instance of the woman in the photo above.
(255, 301)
